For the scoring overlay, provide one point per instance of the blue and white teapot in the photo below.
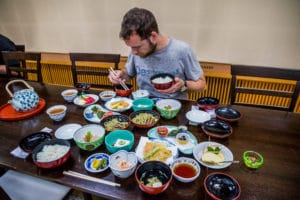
(23, 100)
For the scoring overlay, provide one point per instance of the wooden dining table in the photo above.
(274, 134)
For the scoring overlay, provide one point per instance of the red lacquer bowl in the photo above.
(61, 159)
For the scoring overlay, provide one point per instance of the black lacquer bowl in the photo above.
(219, 185)
(228, 114)
(207, 103)
(217, 128)
(29, 142)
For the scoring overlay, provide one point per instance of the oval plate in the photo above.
(185, 149)
(118, 99)
(199, 149)
(94, 117)
(88, 162)
(86, 100)
(67, 131)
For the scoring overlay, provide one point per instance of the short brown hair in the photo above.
(138, 20)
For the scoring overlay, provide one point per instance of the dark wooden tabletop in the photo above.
(275, 134)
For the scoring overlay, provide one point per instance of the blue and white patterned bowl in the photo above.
(57, 112)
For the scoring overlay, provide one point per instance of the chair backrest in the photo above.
(20, 47)
(265, 87)
(26, 64)
(93, 68)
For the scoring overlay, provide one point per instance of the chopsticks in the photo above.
(121, 82)
(90, 178)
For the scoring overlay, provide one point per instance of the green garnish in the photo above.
(213, 149)
(88, 136)
(100, 114)
(94, 109)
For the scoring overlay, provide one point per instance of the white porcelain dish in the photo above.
(199, 150)
(140, 94)
(111, 104)
(197, 116)
(86, 100)
(67, 131)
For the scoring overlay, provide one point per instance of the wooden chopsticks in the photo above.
(121, 82)
(90, 178)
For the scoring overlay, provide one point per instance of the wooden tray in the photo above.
(8, 113)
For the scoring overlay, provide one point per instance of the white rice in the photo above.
(161, 80)
(52, 152)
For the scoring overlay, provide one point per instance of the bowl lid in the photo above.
(29, 142)
(217, 128)
(227, 112)
(222, 186)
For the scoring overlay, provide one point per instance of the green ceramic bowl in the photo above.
(168, 108)
(142, 104)
(97, 133)
(119, 140)
(253, 159)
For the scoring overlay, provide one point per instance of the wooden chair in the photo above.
(93, 68)
(20, 47)
(27, 64)
(265, 87)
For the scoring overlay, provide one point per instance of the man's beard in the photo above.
(152, 47)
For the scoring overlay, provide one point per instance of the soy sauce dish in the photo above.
(185, 169)
(219, 186)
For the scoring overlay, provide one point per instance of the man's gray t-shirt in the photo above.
(177, 58)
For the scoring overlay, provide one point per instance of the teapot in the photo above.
(23, 100)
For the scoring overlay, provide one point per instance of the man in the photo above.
(152, 53)
(6, 45)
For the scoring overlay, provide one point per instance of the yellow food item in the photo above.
(119, 104)
(96, 163)
(156, 151)
(212, 156)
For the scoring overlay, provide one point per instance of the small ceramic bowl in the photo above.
(253, 159)
(168, 108)
(144, 118)
(69, 95)
(97, 162)
(107, 95)
(142, 104)
(89, 137)
(123, 163)
(122, 92)
(147, 170)
(185, 169)
(207, 103)
(82, 87)
(162, 81)
(119, 140)
(140, 94)
(115, 122)
(57, 112)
